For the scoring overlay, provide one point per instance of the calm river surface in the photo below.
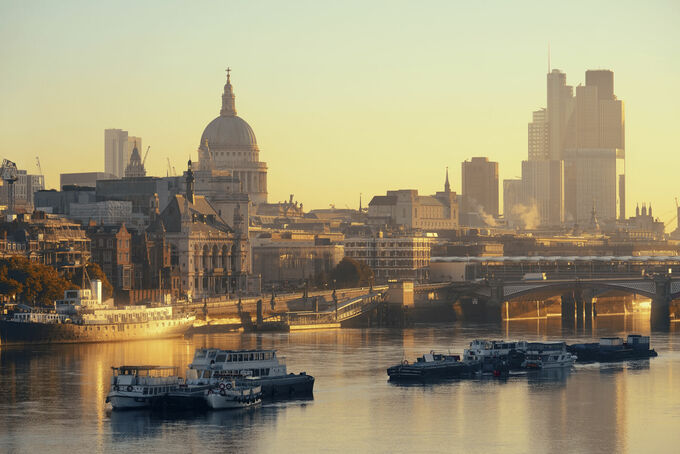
(52, 397)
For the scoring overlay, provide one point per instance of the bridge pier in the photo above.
(587, 296)
(568, 309)
(660, 311)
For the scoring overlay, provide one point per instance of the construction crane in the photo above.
(145, 155)
(8, 174)
(171, 169)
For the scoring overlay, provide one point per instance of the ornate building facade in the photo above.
(212, 257)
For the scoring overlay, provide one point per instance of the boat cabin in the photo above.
(215, 363)
(145, 380)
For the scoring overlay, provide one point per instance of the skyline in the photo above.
(350, 93)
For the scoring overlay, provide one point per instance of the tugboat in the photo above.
(256, 367)
(232, 394)
(614, 349)
(433, 366)
(135, 387)
(547, 355)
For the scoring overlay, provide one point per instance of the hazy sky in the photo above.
(344, 97)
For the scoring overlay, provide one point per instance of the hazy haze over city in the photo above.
(343, 97)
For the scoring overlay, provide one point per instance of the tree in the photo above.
(347, 273)
(30, 282)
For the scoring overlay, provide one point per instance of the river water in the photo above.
(52, 397)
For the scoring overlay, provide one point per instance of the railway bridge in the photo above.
(576, 293)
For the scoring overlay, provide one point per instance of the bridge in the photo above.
(345, 311)
(576, 293)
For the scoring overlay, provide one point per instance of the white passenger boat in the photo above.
(141, 386)
(258, 367)
(547, 355)
(481, 349)
(232, 394)
(83, 316)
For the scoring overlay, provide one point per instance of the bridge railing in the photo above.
(346, 310)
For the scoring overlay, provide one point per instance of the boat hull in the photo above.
(595, 354)
(428, 371)
(121, 401)
(19, 333)
(286, 386)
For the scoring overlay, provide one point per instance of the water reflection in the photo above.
(54, 396)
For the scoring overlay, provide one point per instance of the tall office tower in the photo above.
(560, 106)
(594, 153)
(512, 200)
(480, 186)
(116, 152)
(594, 179)
(542, 188)
(539, 146)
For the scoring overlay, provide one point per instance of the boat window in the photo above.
(212, 354)
(252, 355)
(146, 391)
(220, 358)
(206, 374)
(266, 371)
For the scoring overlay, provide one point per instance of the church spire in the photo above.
(228, 104)
(447, 186)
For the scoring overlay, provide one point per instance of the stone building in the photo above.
(395, 257)
(111, 250)
(406, 208)
(212, 256)
(46, 239)
(228, 143)
(288, 258)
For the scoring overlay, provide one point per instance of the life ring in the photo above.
(404, 363)
(210, 392)
(228, 386)
(222, 385)
(129, 388)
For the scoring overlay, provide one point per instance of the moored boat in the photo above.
(262, 368)
(494, 354)
(614, 349)
(82, 316)
(141, 386)
(547, 355)
(433, 366)
(232, 394)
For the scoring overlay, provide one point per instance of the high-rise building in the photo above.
(512, 200)
(584, 161)
(542, 191)
(560, 106)
(593, 179)
(118, 148)
(480, 186)
(539, 145)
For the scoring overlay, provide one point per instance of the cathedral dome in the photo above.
(228, 131)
